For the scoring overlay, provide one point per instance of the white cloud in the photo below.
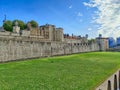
(70, 6)
(89, 4)
(79, 14)
(80, 20)
(89, 29)
(107, 16)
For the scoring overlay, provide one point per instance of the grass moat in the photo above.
(73, 72)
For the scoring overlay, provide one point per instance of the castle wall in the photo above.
(17, 48)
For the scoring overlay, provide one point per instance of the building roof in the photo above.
(101, 38)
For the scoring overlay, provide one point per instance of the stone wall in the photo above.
(112, 83)
(17, 48)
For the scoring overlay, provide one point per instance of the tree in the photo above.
(33, 23)
(91, 40)
(21, 24)
(8, 25)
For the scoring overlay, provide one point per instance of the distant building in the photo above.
(75, 40)
(118, 41)
(111, 42)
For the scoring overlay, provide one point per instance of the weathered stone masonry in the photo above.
(17, 48)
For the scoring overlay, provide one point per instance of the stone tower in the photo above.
(48, 32)
(102, 42)
(16, 28)
(59, 34)
(51, 33)
(29, 26)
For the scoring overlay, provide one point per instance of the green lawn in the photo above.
(75, 72)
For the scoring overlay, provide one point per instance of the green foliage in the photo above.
(91, 41)
(8, 26)
(21, 24)
(33, 23)
(74, 72)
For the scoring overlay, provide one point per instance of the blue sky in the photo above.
(72, 15)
